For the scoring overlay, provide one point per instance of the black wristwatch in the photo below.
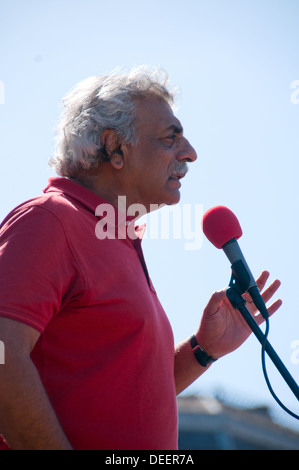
(201, 356)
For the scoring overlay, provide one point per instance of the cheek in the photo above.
(153, 165)
(155, 170)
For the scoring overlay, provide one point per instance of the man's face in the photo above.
(159, 160)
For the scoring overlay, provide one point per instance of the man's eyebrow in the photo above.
(176, 128)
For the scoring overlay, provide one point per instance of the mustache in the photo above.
(180, 168)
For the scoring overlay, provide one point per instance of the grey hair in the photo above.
(99, 103)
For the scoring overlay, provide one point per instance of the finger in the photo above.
(275, 306)
(267, 294)
(260, 282)
(272, 309)
(215, 301)
(262, 279)
(271, 290)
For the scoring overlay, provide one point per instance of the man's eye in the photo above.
(170, 139)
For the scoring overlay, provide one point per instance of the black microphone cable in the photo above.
(263, 357)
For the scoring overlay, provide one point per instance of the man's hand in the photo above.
(221, 331)
(222, 328)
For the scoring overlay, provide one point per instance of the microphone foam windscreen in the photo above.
(220, 225)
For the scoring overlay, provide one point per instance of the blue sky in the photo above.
(234, 62)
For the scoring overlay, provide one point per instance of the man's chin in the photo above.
(175, 199)
(169, 199)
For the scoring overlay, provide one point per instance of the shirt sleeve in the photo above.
(36, 266)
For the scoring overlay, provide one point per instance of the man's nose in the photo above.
(186, 152)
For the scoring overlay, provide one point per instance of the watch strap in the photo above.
(201, 356)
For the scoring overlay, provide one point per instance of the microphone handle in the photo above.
(234, 253)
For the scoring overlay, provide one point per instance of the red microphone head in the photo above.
(220, 225)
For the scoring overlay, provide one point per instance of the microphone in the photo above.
(222, 229)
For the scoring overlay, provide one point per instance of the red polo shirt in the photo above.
(106, 349)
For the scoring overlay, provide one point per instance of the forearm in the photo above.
(27, 419)
(186, 367)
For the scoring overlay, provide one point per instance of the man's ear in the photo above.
(111, 147)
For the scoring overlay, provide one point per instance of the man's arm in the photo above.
(27, 419)
(186, 367)
(221, 331)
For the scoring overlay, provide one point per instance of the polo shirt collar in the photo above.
(86, 197)
(75, 191)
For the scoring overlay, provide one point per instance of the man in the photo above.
(90, 361)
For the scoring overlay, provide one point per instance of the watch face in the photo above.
(201, 356)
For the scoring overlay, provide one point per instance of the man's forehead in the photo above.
(153, 112)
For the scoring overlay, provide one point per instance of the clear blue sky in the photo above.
(234, 61)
